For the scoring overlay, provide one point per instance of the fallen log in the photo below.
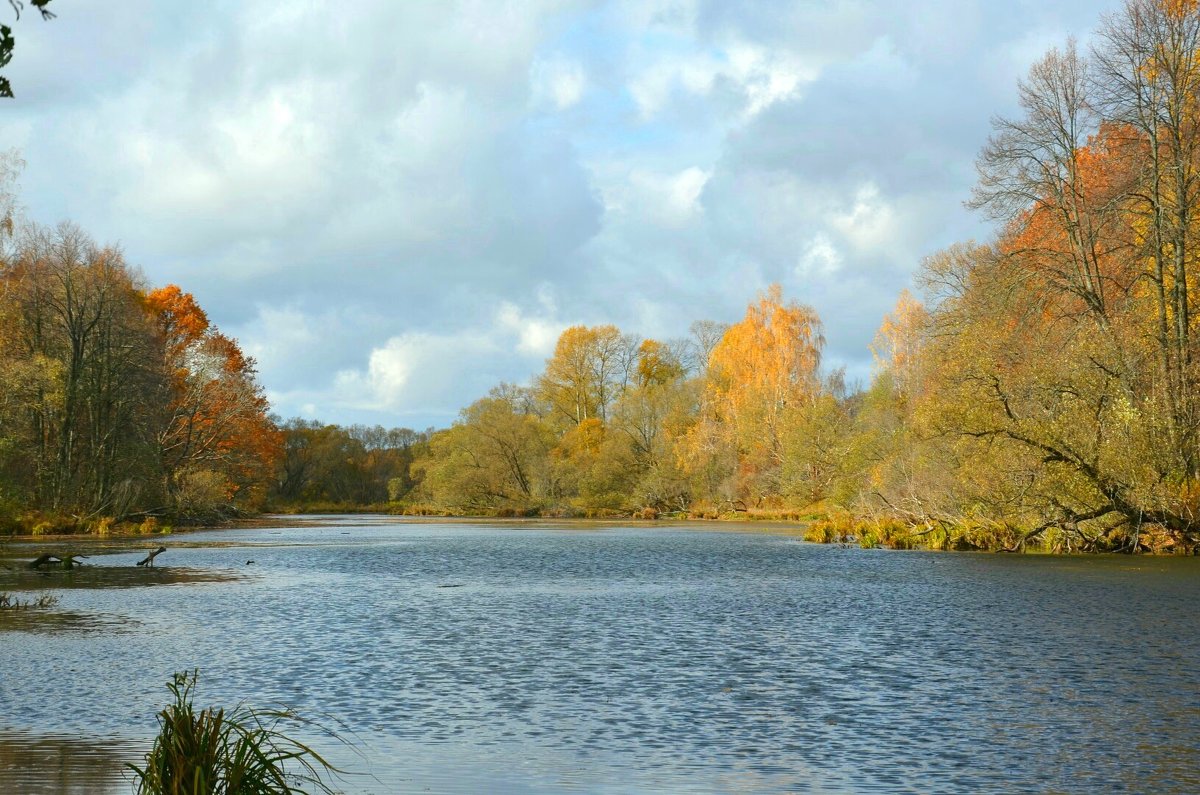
(67, 562)
(149, 559)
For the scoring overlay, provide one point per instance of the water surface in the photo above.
(562, 658)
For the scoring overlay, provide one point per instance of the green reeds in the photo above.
(214, 752)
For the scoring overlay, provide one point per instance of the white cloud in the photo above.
(535, 336)
(870, 224)
(669, 200)
(557, 82)
(761, 77)
(409, 371)
(819, 258)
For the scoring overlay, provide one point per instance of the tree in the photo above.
(494, 456)
(8, 42)
(764, 369)
(78, 342)
(215, 427)
(589, 369)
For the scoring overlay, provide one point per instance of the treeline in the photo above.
(118, 402)
(333, 468)
(1047, 390)
(735, 418)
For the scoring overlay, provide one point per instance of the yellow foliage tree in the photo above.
(763, 369)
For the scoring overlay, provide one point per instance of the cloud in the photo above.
(407, 371)
(535, 336)
(819, 258)
(558, 83)
(395, 206)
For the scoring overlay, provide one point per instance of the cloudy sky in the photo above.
(396, 205)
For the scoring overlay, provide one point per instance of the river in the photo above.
(592, 658)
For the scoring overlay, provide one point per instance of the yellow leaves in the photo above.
(584, 439)
(898, 342)
(586, 372)
(771, 355)
(1178, 9)
(656, 364)
(765, 366)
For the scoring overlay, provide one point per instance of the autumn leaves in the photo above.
(119, 401)
(1047, 391)
(618, 424)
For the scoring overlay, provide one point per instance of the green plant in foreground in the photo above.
(214, 752)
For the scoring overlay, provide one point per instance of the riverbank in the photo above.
(831, 526)
(815, 526)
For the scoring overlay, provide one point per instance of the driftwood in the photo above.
(63, 561)
(149, 559)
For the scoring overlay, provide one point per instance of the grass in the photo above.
(242, 752)
(10, 602)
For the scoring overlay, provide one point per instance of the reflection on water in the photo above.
(33, 764)
(109, 574)
(631, 660)
(51, 621)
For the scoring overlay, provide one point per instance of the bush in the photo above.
(212, 752)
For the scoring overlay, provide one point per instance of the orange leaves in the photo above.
(217, 414)
(1178, 9)
(762, 371)
(181, 321)
(772, 354)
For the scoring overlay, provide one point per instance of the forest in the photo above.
(118, 402)
(1043, 391)
(1040, 389)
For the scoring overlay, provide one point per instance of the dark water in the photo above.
(469, 658)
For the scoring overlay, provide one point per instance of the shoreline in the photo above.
(807, 530)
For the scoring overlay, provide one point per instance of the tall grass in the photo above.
(10, 602)
(214, 752)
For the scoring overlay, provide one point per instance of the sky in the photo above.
(395, 206)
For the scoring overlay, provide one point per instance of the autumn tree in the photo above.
(77, 342)
(113, 396)
(590, 368)
(216, 443)
(495, 455)
(1071, 343)
(760, 373)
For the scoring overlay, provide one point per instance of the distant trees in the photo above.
(331, 465)
(616, 423)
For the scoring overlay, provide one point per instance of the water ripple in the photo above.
(627, 660)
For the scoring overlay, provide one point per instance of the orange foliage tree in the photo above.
(216, 440)
(764, 368)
